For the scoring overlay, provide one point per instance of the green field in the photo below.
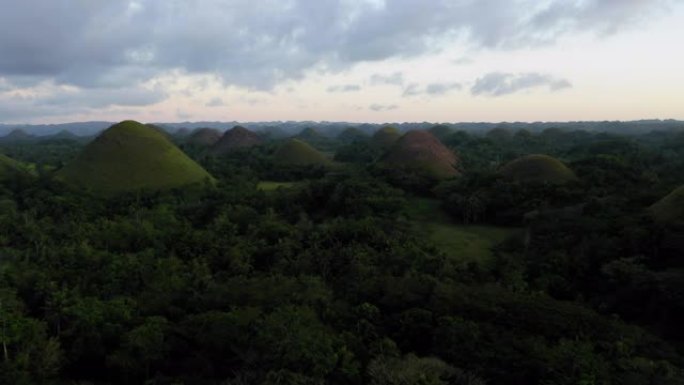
(272, 186)
(463, 243)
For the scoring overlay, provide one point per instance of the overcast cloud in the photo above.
(257, 44)
(102, 45)
(498, 84)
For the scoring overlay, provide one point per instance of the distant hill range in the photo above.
(332, 129)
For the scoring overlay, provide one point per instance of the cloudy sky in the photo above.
(351, 60)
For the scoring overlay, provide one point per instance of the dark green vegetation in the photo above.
(130, 156)
(298, 273)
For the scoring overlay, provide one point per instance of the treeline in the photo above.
(329, 282)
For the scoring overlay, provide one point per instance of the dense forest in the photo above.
(327, 259)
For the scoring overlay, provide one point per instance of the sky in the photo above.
(341, 60)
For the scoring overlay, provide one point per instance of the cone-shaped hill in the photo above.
(9, 167)
(17, 135)
(537, 168)
(423, 152)
(295, 152)
(182, 132)
(236, 138)
(351, 134)
(670, 208)
(309, 134)
(63, 135)
(204, 137)
(131, 156)
(386, 136)
(441, 131)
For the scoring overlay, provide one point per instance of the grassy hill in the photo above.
(423, 152)
(9, 167)
(670, 208)
(17, 135)
(386, 136)
(351, 134)
(204, 137)
(537, 168)
(235, 138)
(130, 156)
(298, 153)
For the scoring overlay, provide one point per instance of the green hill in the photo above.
(17, 135)
(130, 156)
(351, 134)
(204, 137)
(537, 168)
(423, 152)
(310, 134)
(9, 167)
(670, 208)
(235, 138)
(298, 153)
(386, 136)
(441, 131)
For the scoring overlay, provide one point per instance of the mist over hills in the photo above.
(333, 129)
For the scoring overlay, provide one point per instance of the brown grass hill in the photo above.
(422, 152)
(295, 152)
(670, 208)
(236, 138)
(204, 137)
(537, 168)
(130, 156)
(386, 136)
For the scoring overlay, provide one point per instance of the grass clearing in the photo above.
(463, 243)
(273, 186)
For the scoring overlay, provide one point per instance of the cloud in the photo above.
(499, 84)
(395, 79)
(260, 44)
(412, 90)
(344, 88)
(180, 114)
(442, 88)
(103, 97)
(462, 61)
(381, 107)
(215, 102)
(50, 100)
(433, 89)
